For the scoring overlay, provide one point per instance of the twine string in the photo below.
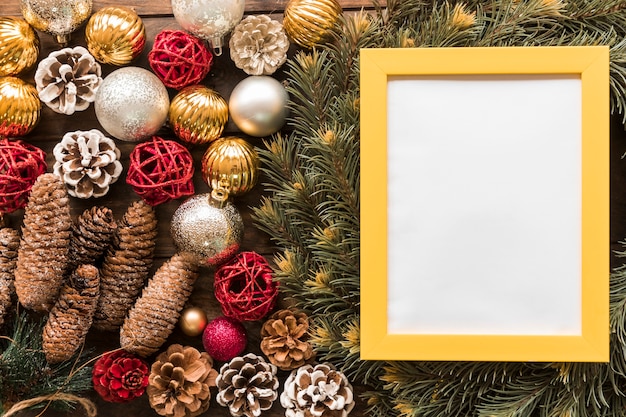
(88, 405)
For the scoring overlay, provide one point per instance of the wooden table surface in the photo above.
(157, 15)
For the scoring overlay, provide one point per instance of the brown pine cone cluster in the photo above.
(126, 266)
(284, 339)
(91, 236)
(72, 314)
(43, 253)
(9, 242)
(156, 312)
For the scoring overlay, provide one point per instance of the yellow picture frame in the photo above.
(588, 64)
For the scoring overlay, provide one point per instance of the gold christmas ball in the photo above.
(230, 163)
(192, 321)
(56, 17)
(309, 22)
(20, 107)
(198, 114)
(19, 46)
(115, 35)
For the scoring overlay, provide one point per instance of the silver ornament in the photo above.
(258, 105)
(131, 104)
(57, 17)
(209, 19)
(208, 226)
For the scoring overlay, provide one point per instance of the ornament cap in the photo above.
(216, 43)
(218, 197)
(62, 39)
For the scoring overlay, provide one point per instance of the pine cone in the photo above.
(88, 162)
(284, 337)
(43, 253)
(72, 314)
(119, 376)
(179, 382)
(67, 80)
(154, 315)
(247, 385)
(126, 265)
(318, 390)
(91, 236)
(259, 45)
(9, 242)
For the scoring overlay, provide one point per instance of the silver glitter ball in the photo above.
(131, 104)
(208, 226)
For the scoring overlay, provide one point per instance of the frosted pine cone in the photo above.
(88, 162)
(9, 242)
(155, 314)
(67, 80)
(72, 314)
(284, 339)
(180, 379)
(42, 257)
(318, 390)
(247, 385)
(91, 235)
(259, 45)
(126, 265)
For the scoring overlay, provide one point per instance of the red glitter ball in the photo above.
(160, 170)
(245, 287)
(120, 376)
(179, 59)
(20, 165)
(224, 338)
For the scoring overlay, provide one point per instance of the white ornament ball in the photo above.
(131, 104)
(258, 105)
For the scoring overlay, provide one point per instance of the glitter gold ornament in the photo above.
(209, 226)
(192, 321)
(19, 46)
(115, 35)
(19, 107)
(198, 114)
(309, 22)
(231, 163)
(57, 17)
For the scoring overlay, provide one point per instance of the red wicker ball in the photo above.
(245, 287)
(160, 170)
(20, 165)
(179, 59)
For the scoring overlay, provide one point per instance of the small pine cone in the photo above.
(91, 235)
(43, 253)
(318, 390)
(156, 312)
(284, 339)
(247, 385)
(126, 266)
(179, 382)
(9, 242)
(72, 314)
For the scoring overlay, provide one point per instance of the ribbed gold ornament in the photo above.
(198, 114)
(308, 22)
(57, 17)
(231, 163)
(19, 46)
(19, 107)
(115, 35)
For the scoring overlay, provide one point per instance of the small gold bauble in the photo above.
(57, 17)
(309, 22)
(19, 46)
(198, 114)
(19, 107)
(230, 163)
(115, 35)
(192, 321)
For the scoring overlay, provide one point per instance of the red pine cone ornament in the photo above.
(245, 287)
(160, 170)
(120, 376)
(20, 165)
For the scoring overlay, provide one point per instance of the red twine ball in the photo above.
(120, 376)
(160, 170)
(20, 165)
(224, 338)
(245, 288)
(179, 59)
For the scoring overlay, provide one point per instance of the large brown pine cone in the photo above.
(284, 339)
(9, 242)
(91, 235)
(43, 253)
(247, 385)
(72, 314)
(156, 312)
(180, 379)
(126, 266)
